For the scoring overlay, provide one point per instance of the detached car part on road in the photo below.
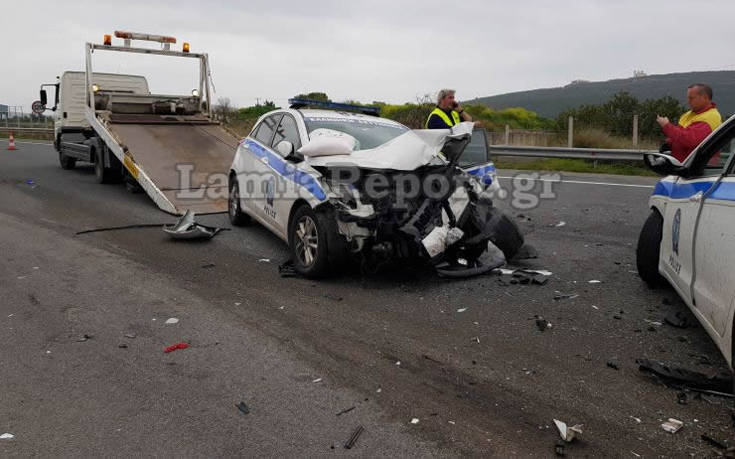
(689, 237)
(334, 184)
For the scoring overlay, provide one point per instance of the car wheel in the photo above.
(307, 239)
(234, 209)
(649, 250)
(66, 162)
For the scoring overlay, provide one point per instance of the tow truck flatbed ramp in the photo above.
(186, 160)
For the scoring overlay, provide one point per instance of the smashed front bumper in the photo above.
(453, 230)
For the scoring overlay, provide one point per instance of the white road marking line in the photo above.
(582, 182)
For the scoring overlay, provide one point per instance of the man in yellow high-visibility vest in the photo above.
(447, 113)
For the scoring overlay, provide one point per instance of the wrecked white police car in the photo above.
(336, 185)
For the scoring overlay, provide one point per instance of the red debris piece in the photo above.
(173, 347)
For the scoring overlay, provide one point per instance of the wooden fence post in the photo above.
(507, 134)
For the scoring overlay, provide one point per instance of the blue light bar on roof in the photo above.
(364, 109)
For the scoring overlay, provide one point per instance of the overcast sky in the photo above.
(390, 51)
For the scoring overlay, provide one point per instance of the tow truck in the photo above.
(168, 145)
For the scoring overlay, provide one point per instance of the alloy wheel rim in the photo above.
(307, 240)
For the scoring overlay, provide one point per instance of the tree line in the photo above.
(614, 116)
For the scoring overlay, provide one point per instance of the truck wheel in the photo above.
(649, 250)
(66, 162)
(102, 174)
(505, 234)
(307, 241)
(237, 216)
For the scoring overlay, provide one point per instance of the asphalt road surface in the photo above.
(464, 357)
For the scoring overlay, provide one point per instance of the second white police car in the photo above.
(689, 237)
(339, 185)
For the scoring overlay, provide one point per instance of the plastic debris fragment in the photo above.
(672, 425)
(568, 433)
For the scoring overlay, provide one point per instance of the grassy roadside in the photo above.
(573, 165)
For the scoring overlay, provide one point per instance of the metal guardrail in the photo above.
(27, 129)
(573, 153)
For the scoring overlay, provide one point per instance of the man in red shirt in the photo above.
(694, 125)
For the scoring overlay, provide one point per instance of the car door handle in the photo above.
(264, 159)
(696, 197)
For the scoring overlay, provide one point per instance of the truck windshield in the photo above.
(369, 133)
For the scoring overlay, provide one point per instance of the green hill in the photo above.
(549, 102)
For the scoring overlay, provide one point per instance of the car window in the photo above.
(476, 150)
(369, 133)
(287, 130)
(264, 134)
(713, 157)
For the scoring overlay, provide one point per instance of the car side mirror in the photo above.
(663, 164)
(44, 97)
(285, 148)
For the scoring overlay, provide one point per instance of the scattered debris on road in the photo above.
(208, 266)
(594, 281)
(560, 224)
(568, 433)
(415, 421)
(172, 320)
(286, 269)
(613, 365)
(461, 309)
(681, 378)
(130, 335)
(714, 442)
(677, 319)
(564, 296)
(559, 448)
(115, 228)
(122, 346)
(84, 338)
(187, 228)
(243, 408)
(346, 410)
(7, 436)
(31, 183)
(332, 297)
(317, 380)
(264, 260)
(353, 438)
(174, 347)
(542, 323)
(672, 425)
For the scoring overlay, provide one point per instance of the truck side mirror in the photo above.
(44, 99)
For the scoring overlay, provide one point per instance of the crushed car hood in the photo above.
(406, 152)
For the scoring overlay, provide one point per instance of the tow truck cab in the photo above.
(71, 129)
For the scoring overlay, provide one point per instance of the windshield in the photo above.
(369, 133)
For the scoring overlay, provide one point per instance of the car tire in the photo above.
(101, 173)
(505, 234)
(66, 162)
(308, 236)
(649, 250)
(234, 206)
